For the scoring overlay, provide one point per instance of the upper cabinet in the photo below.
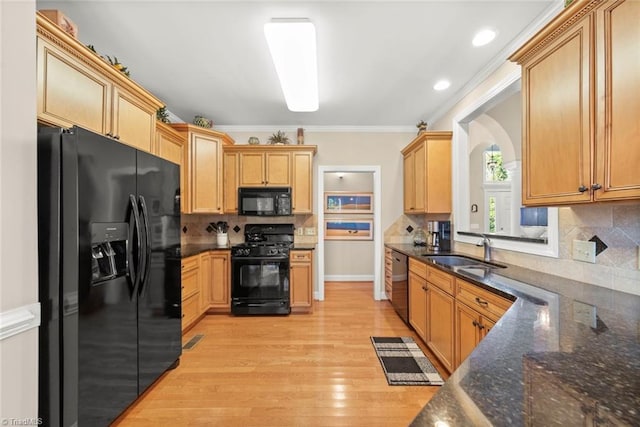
(77, 87)
(579, 86)
(273, 166)
(203, 192)
(427, 174)
(172, 146)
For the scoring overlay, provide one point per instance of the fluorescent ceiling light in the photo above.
(292, 43)
(442, 85)
(484, 37)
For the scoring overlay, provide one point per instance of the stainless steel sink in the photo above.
(460, 261)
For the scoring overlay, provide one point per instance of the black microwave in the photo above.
(264, 201)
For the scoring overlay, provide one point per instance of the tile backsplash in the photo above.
(196, 227)
(617, 225)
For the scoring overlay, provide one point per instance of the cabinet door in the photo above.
(418, 304)
(278, 169)
(301, 280)
(170, 145)
(69, 93)
(485, 326)
(205, 282)
(204, 174)
(220, 281)
(302, 183)
(440, 325)
(467, 335)
(230, 182)
(618, 86)
(134, 122)
(438, 176)
(252, 173)
(409, 184)
(556, 145)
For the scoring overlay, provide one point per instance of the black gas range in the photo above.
(260, 270)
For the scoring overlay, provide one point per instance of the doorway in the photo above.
(378, 291)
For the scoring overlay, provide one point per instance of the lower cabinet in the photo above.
(449, 314)
(220, 282)
(471, 328)
(190, 291)
(301, 281)
(388, 273)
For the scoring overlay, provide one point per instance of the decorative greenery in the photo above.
(203, 122)
(163, 115)
(422, 126)
(278, 138)
(114, 62)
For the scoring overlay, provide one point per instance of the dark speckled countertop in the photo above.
(565, 353)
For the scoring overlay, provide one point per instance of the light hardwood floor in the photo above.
(315, 369)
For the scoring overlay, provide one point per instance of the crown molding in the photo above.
(319, 129)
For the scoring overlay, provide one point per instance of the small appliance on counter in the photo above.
(419, 237)
(439, 236)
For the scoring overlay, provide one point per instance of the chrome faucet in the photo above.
(486, 244)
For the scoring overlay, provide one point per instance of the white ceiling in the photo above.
(378, 60)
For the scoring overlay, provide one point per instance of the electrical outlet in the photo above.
(584, 250)
(310, 231)
(300, 231)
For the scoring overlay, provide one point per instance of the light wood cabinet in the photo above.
(77, 87)
(441, 317)
(476, 310)
(418, 298)
(170, 145)
(388, 273)
(220, 283)
(277, 166)
(203, 192)
(578, 74)
(265, 169)
(191, 279)
(301, 280)
(427, 173)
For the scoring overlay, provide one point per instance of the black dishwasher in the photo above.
(400, 285)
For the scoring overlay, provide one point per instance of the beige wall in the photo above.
(618, 225)
(18, 223)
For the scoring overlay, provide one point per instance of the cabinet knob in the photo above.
(117, 137)
(596, 186)
(480, 326)
(475, 323)
(582, 189)
(109, 134)
(424, 288)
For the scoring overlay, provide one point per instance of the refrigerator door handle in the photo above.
(134, 234)
(146, 262)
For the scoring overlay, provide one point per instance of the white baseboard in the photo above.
(18, 320)
(349, 278)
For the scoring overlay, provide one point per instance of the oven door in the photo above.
(260, 285)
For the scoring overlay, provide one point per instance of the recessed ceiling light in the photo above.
(442, 85)
(484, 37)
(292, 43)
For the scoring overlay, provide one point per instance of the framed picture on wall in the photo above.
(348, 229)
(348, 202)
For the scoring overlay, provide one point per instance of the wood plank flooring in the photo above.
(315, 369)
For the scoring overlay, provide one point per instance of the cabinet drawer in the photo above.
(190, 263)
(418, 268)
(300, 256)
(485, 302)
(441, 279)
(190, 276)
(190, 310)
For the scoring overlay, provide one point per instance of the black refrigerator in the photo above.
(109, 230)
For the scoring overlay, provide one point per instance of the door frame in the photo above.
(378, 290)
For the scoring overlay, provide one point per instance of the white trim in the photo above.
(18, 320)
(378, 285)
(547, 15)
(460, 154)
(349, 278)
(318, 129)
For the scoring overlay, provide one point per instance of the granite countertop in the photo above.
(566, 352)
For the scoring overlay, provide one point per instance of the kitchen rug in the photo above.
(404, 363)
